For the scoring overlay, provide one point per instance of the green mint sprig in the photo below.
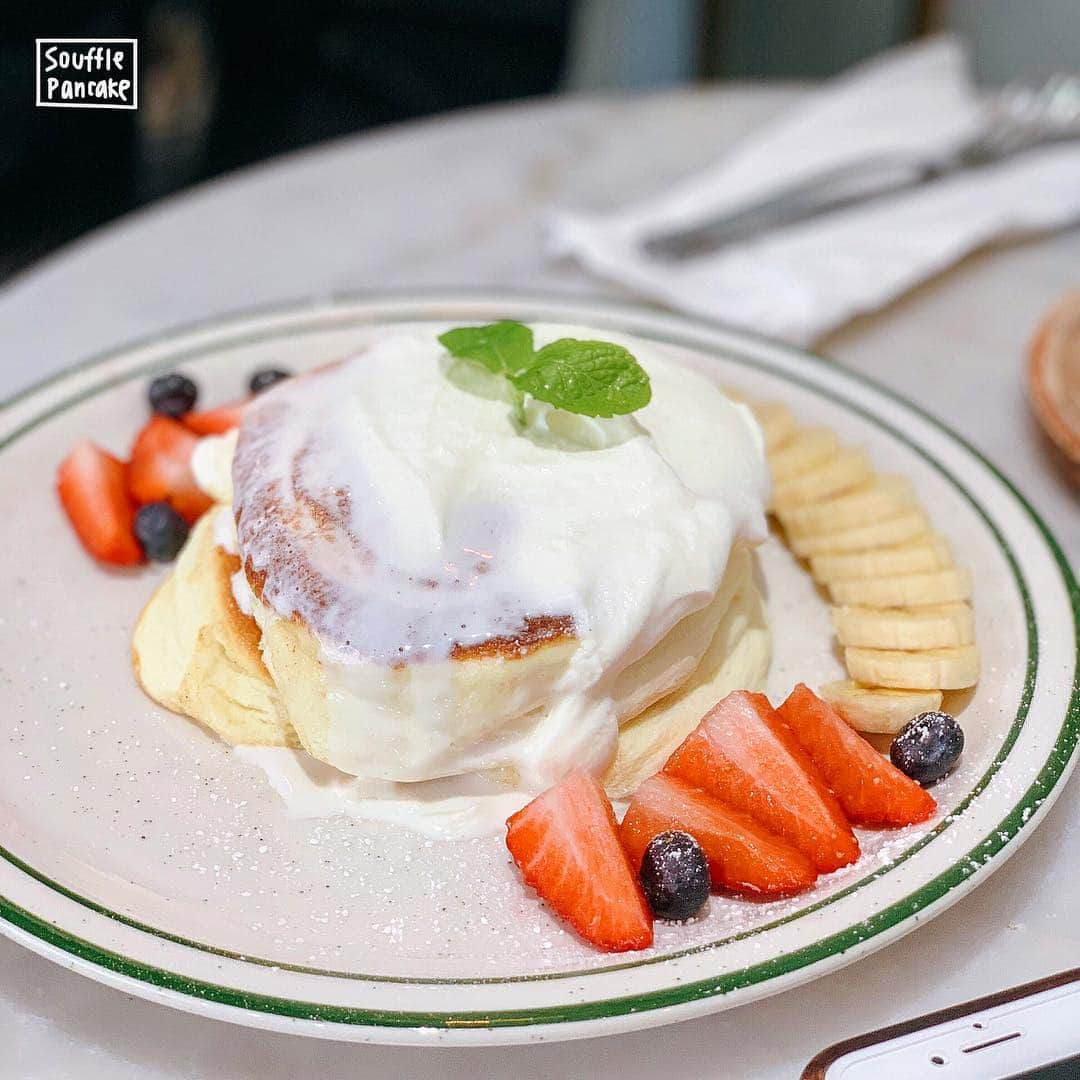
(592, 378)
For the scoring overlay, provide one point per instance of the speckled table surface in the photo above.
(459, 202)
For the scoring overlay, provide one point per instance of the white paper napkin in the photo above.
(802, 281)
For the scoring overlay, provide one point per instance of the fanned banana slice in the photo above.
(904, 528)
(940, 627)
(778, 425)
(902, 614)
(929, 669)
(808, 449)
(846, 469)
(886, 497)
(905, 590)
(912, 558)
(877, 710)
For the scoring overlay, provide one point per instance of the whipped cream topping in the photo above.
(405, 519)
(451, 808)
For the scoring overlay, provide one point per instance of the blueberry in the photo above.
(927, 747)
(173, 394)
(160, 530)
(264, 379)
(675, 875)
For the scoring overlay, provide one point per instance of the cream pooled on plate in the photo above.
(472, 596)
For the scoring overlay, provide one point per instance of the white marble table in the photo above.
(459, 202)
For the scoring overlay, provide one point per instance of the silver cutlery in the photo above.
(1020, 118)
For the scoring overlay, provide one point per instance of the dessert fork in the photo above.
(1020, 118)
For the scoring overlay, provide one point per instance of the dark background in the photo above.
(227, 83)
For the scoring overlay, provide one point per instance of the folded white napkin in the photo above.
(804, 280)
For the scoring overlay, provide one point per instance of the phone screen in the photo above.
(1061, 1070)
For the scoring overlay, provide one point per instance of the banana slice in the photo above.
(940, 627)
(904, 528)
(847, 469)
(905, 590)
(929, 669)
(886, 497)
(877, 710)
(901, 609)
(913, 558)
(778, 425)
(808, 449)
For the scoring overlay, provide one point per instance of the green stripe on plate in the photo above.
(959, 872)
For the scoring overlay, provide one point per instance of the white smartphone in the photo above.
(1031, 1032)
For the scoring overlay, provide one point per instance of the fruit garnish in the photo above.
(878, 500)
(674, 876)
(92, 485)
(927, 669)
(215, 421)
(901, 605)
(265, 378)
(1053, 375)
(804, 451)
(160, 469)
(876, 709)
(933, 588)
(928, 747)
(566, 844)
(742, 753)
(743, 856)
(910, 526)
(937, 626)
(930, 553)
(869, 789)
(173, 395)
(848, 468)
(160, 530)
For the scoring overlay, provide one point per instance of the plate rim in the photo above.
(944, 886)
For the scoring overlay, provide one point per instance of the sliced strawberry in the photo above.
(742, 754)
(567, 845)
(92, 485)
(869, 788)
(215, 421)
(743, 856)
(160, 467)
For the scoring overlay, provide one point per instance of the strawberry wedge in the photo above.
(743, 856)
(869, 788)
(160, 468)
(742, 754)
(215, 421)
(92, 486)
(566, 844)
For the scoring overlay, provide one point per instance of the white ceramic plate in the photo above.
(138, 852)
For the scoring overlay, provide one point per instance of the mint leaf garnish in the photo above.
(504, 348)
(594, 378)
(591, 378)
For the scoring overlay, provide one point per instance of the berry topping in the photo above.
(264, 379)
(93, 490)
(675, 875)
(216, 421)
(160, 530)
(742, 753)
(927, 747)
(567, 846)
(160, 469)
(743, 856)
(173, 395)
(870, 790)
